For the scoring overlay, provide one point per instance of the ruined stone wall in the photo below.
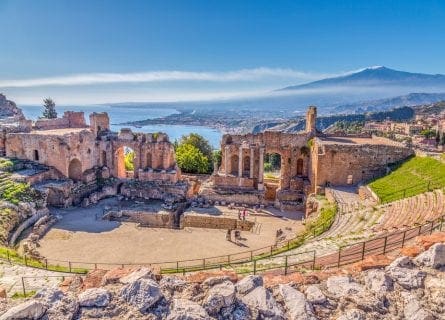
(58, 151)
(242, 158)
(99, 122)
(206, 221)
(70, 119)
(343, 164)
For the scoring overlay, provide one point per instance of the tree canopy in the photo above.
(190, 159)
(49, 111)
(194, 154)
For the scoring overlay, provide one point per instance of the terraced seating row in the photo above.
(411, 211)
(367, 222)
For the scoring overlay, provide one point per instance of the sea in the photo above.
(123, 114)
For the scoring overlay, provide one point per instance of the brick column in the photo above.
(251, 162)
(226, 161)
(261, 169)
(240, 162)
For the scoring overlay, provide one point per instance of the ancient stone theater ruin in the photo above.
(310, 161)
(83, 155)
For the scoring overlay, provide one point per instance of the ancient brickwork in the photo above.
(343, 160)
(74, 149)
(70, 119)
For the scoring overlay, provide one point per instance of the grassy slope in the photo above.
(410, 178)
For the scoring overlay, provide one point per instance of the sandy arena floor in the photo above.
(78, 236)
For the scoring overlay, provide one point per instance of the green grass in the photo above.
(412, 177)
(16, 258)
(20, 295)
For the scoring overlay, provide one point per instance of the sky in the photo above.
(86, 52)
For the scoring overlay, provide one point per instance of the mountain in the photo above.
(376, 77)
(409, 100)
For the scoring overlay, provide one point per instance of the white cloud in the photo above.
(256, 74)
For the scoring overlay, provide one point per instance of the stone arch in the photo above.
(234, 164)
(121, 171)
(75, 170)
(300, 167)
(246, 165)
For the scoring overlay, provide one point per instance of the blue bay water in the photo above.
(124, 114)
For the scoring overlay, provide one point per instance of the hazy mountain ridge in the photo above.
(375, 76)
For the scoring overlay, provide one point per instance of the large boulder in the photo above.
(171, 285)
(187, 310)
(414, 311)
(403, 272)
(30, 310)
(94, 297)
(262, 304)
(315, 295)
(247, 284)
(340, 286)
(142, 273)
(142, 293)
(60, 306)
(296, 304)
(210, 282)
(219, 296)
(378, 281)
(434, 257)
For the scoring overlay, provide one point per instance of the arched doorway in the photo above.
(272, 175)
(125, 162)
(234, 165)
(299, 167)
(75, 170)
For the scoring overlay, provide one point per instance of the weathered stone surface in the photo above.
(94, 297)
(352, 314)
(262, 304)
(31, 309)
(340, 286)
(315, 295)
(2, 293)
(427, 241)
(248, 283)
(296, 304)
(434, 257)
(187, 310)
(142, 273)
(171, 285)
(209, 282)
(401, 270)
(142, 293)
(94, 279)
(114, 275)
(377, 281)
(414, 311)
(219, 296)
(60, 306)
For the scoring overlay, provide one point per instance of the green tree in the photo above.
(428, 133)
(202, 145)
(129, 160)
(191, 160)
(49, 111)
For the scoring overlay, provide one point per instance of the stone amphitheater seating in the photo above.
(356, 222)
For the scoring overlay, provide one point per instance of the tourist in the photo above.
(244, 214)
(239, 214)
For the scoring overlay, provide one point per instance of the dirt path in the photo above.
(78, 236)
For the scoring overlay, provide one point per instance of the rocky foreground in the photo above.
(407, 288)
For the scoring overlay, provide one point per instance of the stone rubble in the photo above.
(408, 288)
